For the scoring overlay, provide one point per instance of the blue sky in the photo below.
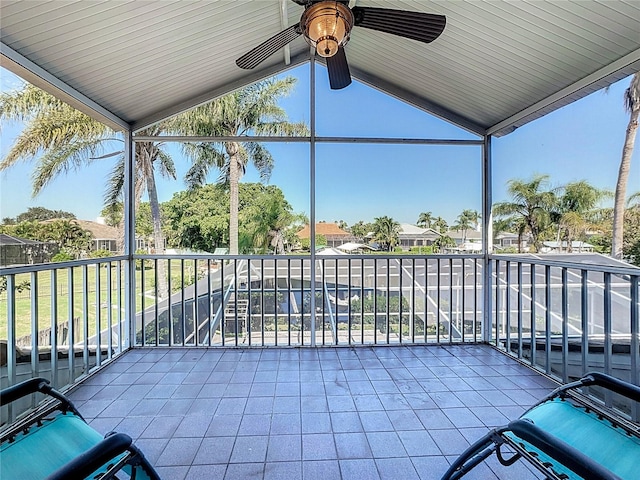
(582, 141)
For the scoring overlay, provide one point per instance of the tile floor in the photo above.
(387, 412)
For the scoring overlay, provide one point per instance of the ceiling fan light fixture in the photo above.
(327, 26)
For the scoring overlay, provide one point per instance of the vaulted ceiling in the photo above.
(497, 66)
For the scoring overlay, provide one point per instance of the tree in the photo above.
(572, 213)
(386, 231)
(61, 139)
(199, 218)
(361, 229)
(530, 207)
(442, 242)
(632, 104)
(440, 224)
(37, 214)
(425, 219)
(252, 110)
(66, 233)
(466, 220)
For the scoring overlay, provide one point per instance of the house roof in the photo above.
(407, 229)
(99, 231)
(497, 65)
(11, 240)
(469, 234)
(323, 228)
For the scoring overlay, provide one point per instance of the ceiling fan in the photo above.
(326, 26)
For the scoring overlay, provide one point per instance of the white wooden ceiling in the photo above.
(498, 64)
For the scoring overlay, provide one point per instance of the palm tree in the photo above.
(61, 139)
(462, 225)
(425, 219)
(386, 231)
(574, 208)
(632, 104)
(531, 202)
(466, 220)
(473, 216)
(252, 110)
(442, 242)
(440, 224)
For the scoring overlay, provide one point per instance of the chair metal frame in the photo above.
(558, 450)
(85, 463)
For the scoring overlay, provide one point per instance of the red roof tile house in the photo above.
(334, 235)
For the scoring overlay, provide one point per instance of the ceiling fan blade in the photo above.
(256, 56)
(424, 27)
(339, 75)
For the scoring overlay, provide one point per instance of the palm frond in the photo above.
(261, 159)
(115, 184)
(62, 160)
(204, 157)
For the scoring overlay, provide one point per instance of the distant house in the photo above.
(21, 251)
(413, 236)
(563, 247)
(468, 236)
(510, 240)
(104, 237)
(335, 235)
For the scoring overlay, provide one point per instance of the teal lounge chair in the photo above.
(567, 436)
(56, 443)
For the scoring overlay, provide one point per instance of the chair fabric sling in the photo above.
(55, 442)
(566, 436)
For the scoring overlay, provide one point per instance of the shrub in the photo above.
(62, 257)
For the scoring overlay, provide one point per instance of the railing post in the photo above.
(54, 329)
(507, 307)
(71, 331)
(497, 304)
(35, 340)
(635, 341)
(85, 317)
(11, 337)
(520, 287)
(547, 319)
(532, 318)
(584, 311)
(565, 326)
(608, 347)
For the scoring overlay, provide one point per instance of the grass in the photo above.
(68, 301)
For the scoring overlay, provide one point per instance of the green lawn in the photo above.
(23, 299)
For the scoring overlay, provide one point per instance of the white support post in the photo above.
(487, 239)
(129, 240)
(312, 195)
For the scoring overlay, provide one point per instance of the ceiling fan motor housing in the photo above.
(327, 26)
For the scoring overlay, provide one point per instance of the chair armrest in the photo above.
(22, 389)
(611, 383)
(562, 452)
(88, 462)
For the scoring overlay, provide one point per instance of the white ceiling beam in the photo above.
(621, 68)
(36, 75)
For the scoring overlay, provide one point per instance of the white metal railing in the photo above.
(562, 318)
(567, 319)
(266, 300)
(60, 321)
